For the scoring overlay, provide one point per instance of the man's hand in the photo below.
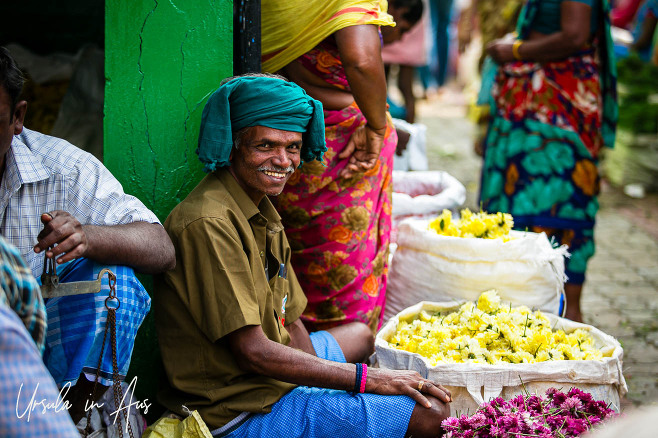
(62, 229)
(363, 150)
(403, 382)
(143, 246)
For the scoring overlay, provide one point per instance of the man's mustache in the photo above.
(288, 169)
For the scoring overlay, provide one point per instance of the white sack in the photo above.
(423, 193)
(80, 117)
(43, 68)
(473, 384)
(526, 270)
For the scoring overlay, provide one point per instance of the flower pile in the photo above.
(555, 415)
(490, 332)
(482, 225)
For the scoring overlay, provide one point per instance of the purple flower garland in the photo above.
(557, 415)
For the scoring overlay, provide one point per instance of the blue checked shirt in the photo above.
(20, 292)
(44, 173)
(21, 364)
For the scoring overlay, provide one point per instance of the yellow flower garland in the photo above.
(490, 332)
(482, 225)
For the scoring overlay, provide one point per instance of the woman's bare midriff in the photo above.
(331, 97)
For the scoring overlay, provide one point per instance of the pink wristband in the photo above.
(364, 376)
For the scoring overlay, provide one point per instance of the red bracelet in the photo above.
(364, 376)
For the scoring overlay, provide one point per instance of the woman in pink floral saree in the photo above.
(338, 215)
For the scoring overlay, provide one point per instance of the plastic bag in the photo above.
(172, 426)
(104, 415)
(414, 157)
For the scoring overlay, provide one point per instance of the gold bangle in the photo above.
(515, 49)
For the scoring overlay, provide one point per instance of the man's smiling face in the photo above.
(264, 160)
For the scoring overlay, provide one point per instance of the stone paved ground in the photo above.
(621, 294)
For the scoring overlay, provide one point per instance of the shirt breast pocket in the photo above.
(280, 288)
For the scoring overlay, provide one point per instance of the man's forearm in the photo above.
(143, 246)
(290, 365)
(257, 354)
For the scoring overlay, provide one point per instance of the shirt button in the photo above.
(262, 253)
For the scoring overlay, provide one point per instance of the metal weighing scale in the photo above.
(51, 287)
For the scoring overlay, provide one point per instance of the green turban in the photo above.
(258, 101)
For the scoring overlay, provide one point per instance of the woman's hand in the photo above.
(403, 382)
(500, 50)
(363, 150)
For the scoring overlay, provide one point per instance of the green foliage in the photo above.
(638, 110)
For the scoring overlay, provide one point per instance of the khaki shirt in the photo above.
(224, 244)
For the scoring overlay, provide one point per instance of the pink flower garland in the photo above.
(557, 415)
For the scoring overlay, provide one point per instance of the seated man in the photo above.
(60, 201)
(231, 340)
(24, 379)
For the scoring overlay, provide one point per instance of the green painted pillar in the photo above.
(163, 59)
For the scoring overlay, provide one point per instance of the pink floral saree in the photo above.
(339, 229)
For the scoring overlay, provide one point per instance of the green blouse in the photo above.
(547, 20)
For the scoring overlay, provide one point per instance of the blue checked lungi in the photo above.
(318, 412)
(76, 324)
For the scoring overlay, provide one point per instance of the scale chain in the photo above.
(116, 382)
